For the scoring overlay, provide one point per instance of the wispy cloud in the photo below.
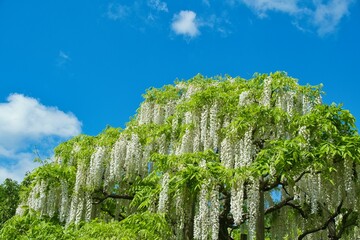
(185, 23)
(158, 5)
(62, 58)
(323, 15)
(206, 2)
(25, 122)
(263, 6)
(218, 24)
(327, 16)
(117, 11)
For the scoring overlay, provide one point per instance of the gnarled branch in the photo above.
(279, 205)
(323, 226)
(112, 195)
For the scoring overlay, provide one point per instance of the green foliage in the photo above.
(9, 199)
(85, 146)
(162, 95)
(138, 226)
(32, 226)
(108, 137)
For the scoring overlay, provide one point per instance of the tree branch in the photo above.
(268, 187)
(278, 182)
(112, 195)
(279, 205)
(298, 208)
(301, 175)
(346, 222)
(325, 225)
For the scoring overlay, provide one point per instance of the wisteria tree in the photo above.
(213, 158)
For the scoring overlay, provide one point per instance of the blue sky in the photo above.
(70, 67)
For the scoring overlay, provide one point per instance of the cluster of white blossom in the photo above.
(146, 113)
(202, 220)
(76, 148)
(244, 98)
(192, 89)
(38, 198)
(80, 207)
(147, 165)
(117, 160)
(158, 114)
(313, 189)
(133, 159)
(237, 202)
(281, 102)
(33, 197)
(266, 95)
(290, 103)
(197, 134)
(163, 197)
(214, 213)
(96, 168)
(42, 197)
(244, 156)
(318, 100)
(204, 127)
(213, 125)
(186, 144)
(163, 149)
(89, 207)
(304, 132)
(306, 104)
(348, 178)
(51, 202)
(227, 153)
(76, 198)
(174, 126)
(206, 220)
(169, 108)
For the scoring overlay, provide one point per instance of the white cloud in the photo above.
(215, 23)
(206, 2)
(24, 118)
(184, 23)
(326, 17)
(262, 6)
(62, 59)
(117, 11)
(25, 122)
(17, 170)
(64, 55)
(158, 5)
(323, 15)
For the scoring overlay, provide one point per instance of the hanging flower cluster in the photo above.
(96, 168)
(237, 203)
(163, 197)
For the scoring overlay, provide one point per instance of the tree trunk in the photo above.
(260, 220)
(224, 222)
(332, 230)
(189, 224)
